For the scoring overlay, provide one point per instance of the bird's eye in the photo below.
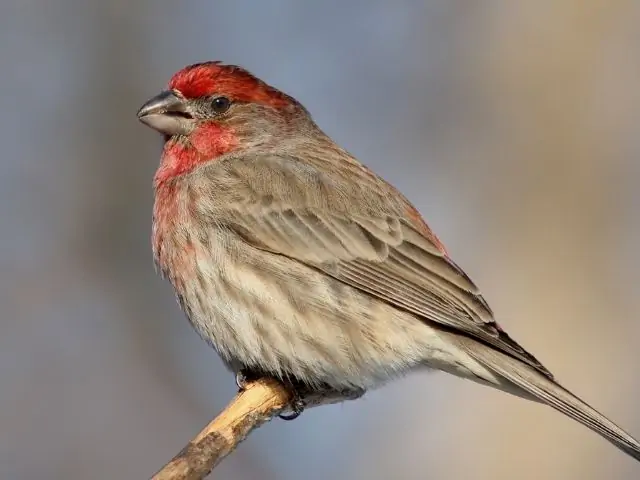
(220, 104)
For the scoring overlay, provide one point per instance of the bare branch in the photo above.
(258, 403)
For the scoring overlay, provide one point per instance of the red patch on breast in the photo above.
(174, 251)
(164, 211)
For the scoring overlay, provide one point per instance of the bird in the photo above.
(294, 260)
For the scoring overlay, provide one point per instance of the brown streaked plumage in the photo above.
(293, 259)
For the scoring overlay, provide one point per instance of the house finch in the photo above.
(294, 260)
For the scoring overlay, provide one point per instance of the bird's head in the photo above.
(211, 109)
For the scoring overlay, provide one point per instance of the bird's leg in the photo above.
(300, 391)
(352, 394)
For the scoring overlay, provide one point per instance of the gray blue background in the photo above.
(513, 126)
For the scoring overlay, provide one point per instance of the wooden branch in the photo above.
(258, 403)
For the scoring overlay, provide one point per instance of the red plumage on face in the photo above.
(203, 79)
(207, 142)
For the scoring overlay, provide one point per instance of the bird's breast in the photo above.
(171, 238)
(271, 312)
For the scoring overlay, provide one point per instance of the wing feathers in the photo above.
(379, 245)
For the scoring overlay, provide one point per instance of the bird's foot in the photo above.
(299, 391)
(244, 377)
(297, 406)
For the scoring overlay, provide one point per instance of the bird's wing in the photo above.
(392, 256)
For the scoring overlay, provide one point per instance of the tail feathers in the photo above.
(545, 390)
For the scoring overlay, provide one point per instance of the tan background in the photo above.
(515, 128)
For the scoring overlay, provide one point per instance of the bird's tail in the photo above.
(532, 384)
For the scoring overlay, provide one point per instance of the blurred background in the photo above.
(513, 126)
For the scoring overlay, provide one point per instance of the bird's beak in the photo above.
(167, 113)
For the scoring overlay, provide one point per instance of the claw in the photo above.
(243, 377)
(297, 407)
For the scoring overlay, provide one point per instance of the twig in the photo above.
(258, 403)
